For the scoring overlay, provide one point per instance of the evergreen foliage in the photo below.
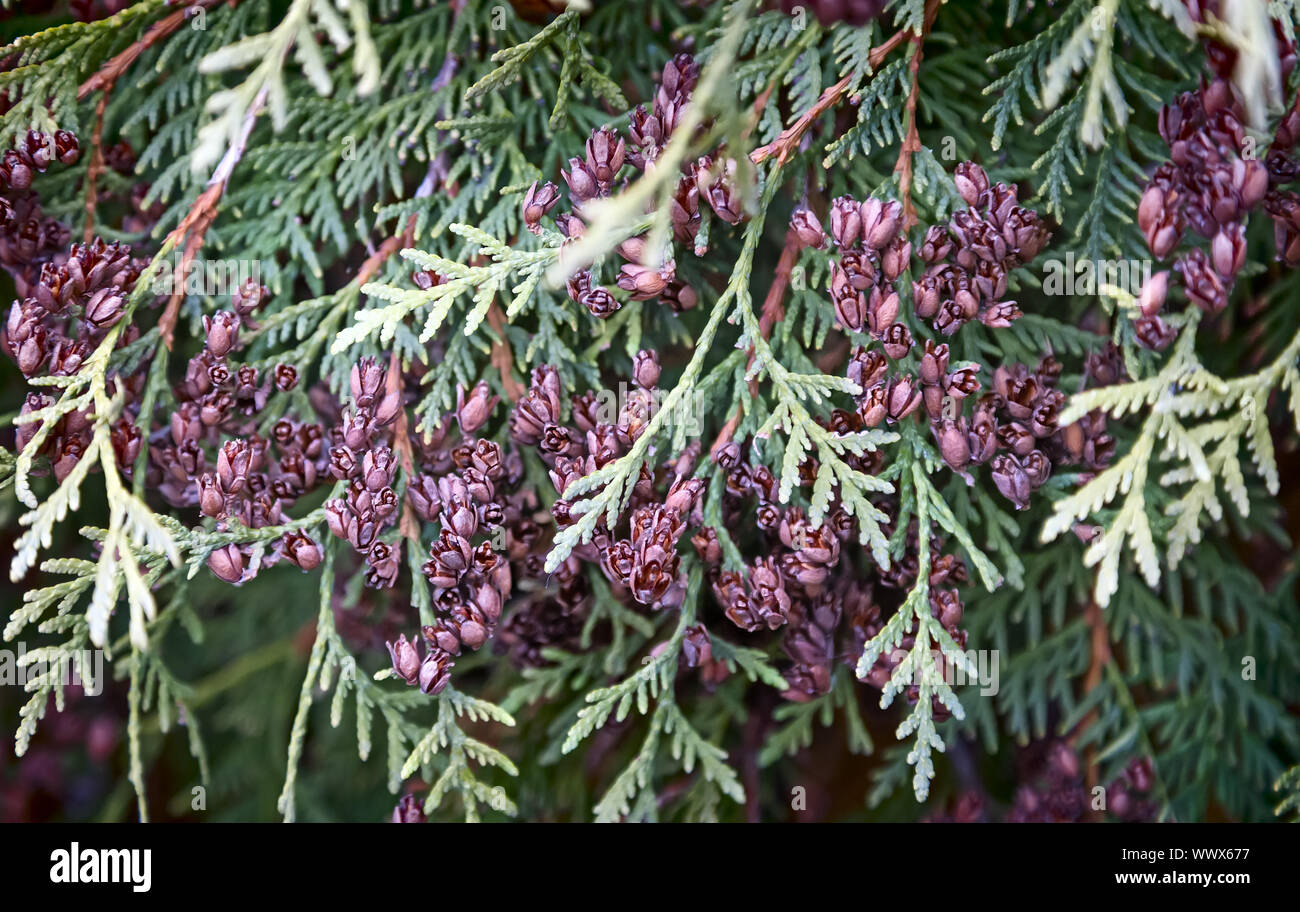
(1143, 613)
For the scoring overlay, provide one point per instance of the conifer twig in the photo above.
(202, 214)
(107, 76)
(370, 267)
(788, 141)
(502, 357)
(103, 81)
(408, 524)
(1101, 656)
(912, 139)
(95, 168)
(773, 312)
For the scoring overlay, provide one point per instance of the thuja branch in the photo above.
(104, 80)
(297, 31)
(614, 481)
(194, 227)
(598, 551)
(613, 220)
(912, 140)
(773, 312)
(106, 77)
(785, 145)
(919, 667)
(1180, 391)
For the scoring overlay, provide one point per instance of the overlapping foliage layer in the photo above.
(340, 146)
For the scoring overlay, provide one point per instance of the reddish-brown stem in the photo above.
(103, 81)
(192, 229)
(95, 168)
(108, 74)
(409, 523)
(912, 140)
(370, 268)
(788, 141)
(502, 357)
(784, 146)
(1101, 655)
